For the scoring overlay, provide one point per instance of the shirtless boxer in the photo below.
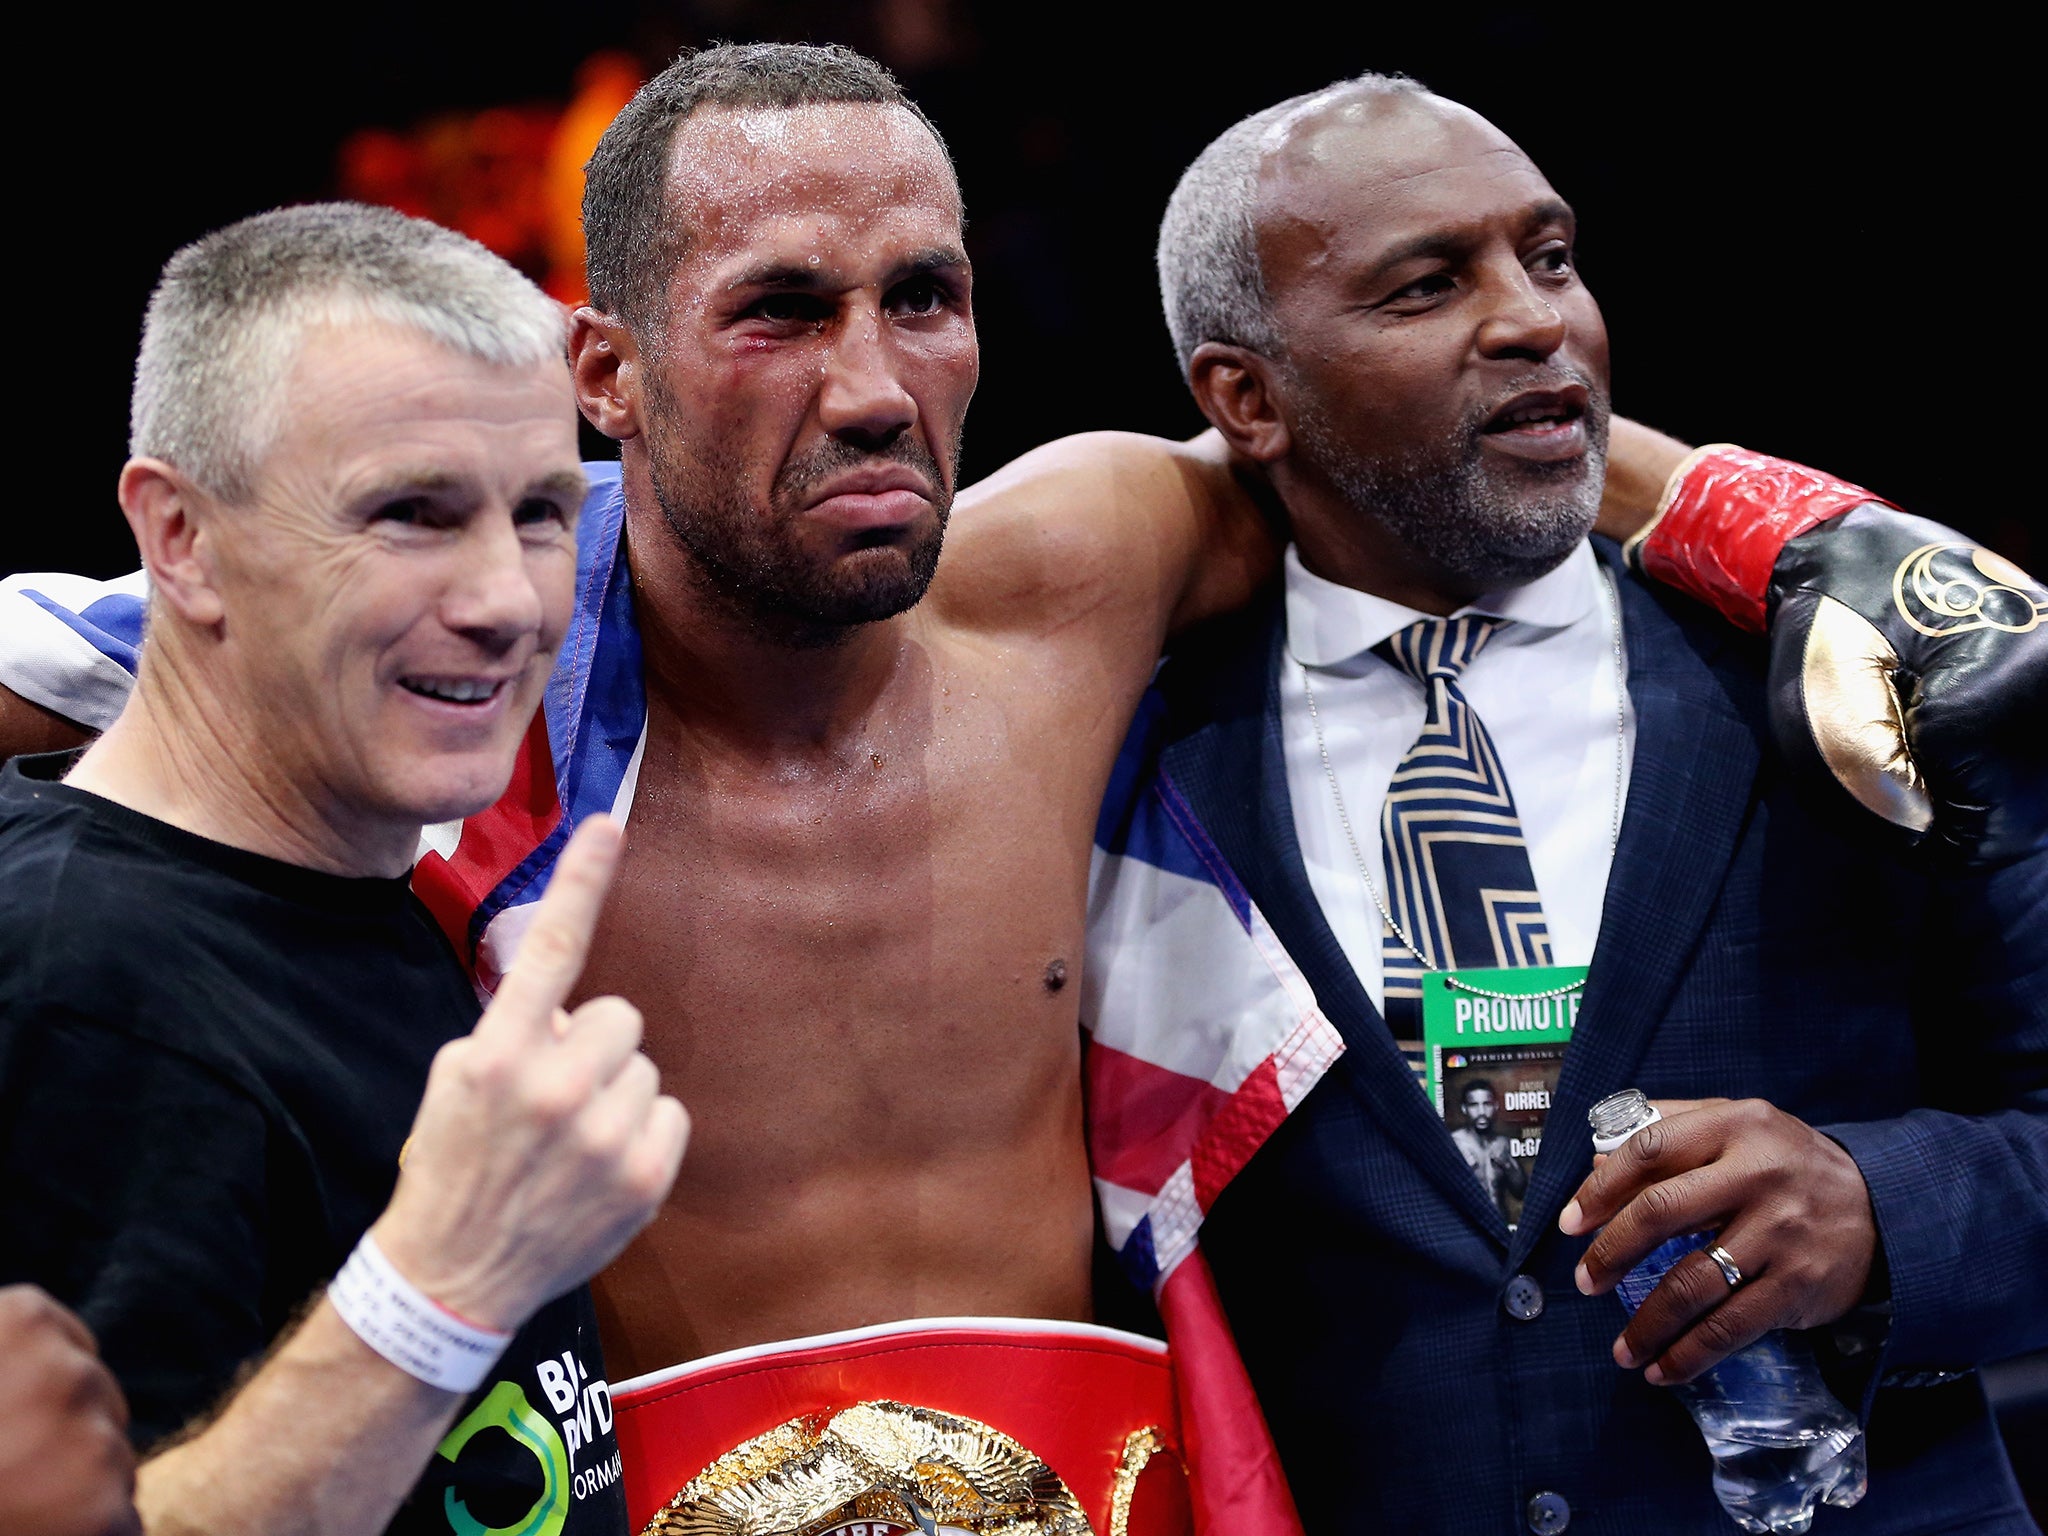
(852, 896)
(852, 902)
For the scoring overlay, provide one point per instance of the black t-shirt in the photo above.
(209, 1061)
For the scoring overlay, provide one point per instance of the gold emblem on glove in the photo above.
(879, 1468)
(1854, 714)
(1952, 589)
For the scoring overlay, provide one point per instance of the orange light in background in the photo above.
(511, 178)
(605, 82)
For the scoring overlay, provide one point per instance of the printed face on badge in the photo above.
(1479, 1108)
(398, 584)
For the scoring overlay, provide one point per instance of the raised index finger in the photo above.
(557, 942)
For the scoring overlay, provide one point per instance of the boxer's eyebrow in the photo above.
(935, 260)
(794, 276)
(798, 275)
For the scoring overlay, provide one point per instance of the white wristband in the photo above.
(408, 1327)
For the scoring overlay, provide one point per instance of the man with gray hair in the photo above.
(354, 484)
(1493, 803)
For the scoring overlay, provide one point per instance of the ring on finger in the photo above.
(1730, 1270)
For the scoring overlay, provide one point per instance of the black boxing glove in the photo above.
(1907, 662)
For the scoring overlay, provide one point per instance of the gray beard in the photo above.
(1486, 524)
(757, 574)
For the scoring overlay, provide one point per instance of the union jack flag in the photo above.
(1204, 1036)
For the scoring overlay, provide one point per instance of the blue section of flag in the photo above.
(1143, 819)
(1140, 1263)
(112, 625)
(595, 705)
(1131, 775)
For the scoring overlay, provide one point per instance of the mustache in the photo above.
(1553, 377)
(797, 478)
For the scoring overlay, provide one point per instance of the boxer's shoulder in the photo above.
(1100, 525)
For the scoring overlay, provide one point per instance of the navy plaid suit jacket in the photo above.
(1751, 946)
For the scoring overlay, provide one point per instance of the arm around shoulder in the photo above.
(1156, 534)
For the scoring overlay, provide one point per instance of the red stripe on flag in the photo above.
(1234, 1471)
(1143, 1120)
(495, 841)
(1240, 1129)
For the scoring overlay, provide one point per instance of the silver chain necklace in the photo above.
(1351, 837)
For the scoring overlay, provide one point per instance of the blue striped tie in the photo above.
(1458, 876)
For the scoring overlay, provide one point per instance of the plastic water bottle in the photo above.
(1782, 1444)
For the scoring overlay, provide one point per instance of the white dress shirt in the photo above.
(1547, 690)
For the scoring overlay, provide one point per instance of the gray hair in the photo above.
(632, 234)
(231, 309)
(1209, 274)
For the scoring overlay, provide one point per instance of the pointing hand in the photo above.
(543, 1142)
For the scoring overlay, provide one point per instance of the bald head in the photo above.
(1210, 273)
(1349, 162)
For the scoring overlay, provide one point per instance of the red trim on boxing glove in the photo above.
(1725, 515)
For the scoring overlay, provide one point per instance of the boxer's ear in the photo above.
(605, 362)
(1233, 386)
(171, 520)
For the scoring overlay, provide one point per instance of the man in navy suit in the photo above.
(1374, 297)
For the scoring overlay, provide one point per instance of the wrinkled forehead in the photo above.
(1383, 167)
(357, 393)
(735, 174)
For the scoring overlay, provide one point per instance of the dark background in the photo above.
(1786, 233)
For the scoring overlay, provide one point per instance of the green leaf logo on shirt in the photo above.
(505, 1407)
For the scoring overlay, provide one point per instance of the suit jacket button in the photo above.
(1524, 1301)
(1547, 1513)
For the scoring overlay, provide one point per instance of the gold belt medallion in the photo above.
(875, 1469)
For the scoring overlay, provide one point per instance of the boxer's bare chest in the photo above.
(860, 970)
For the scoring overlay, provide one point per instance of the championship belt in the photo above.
(971, 1426)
